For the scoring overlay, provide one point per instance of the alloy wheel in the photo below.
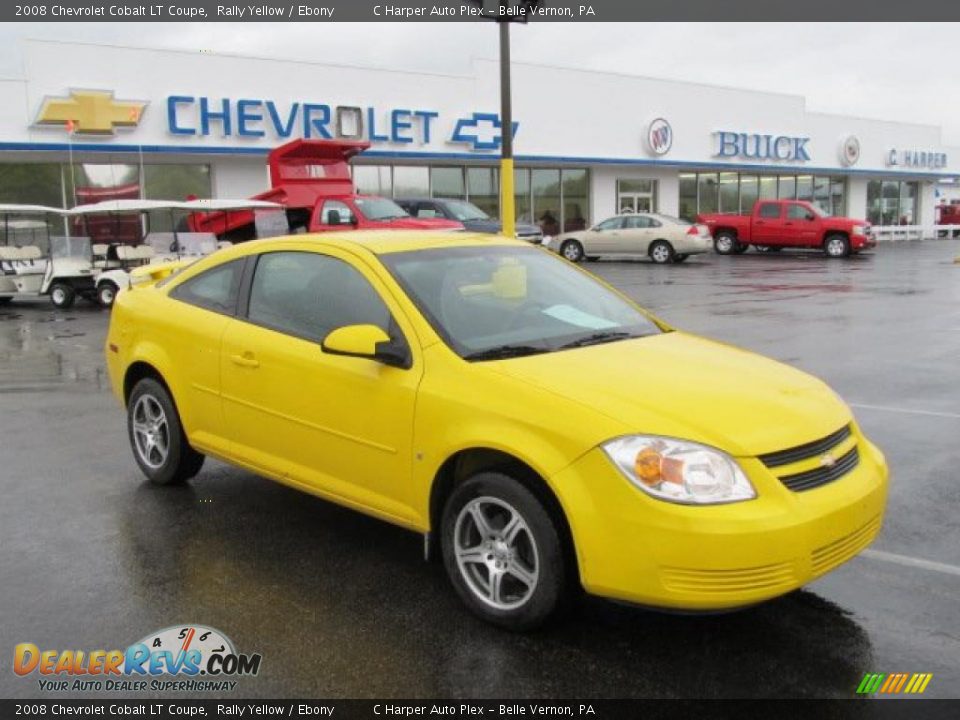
(496, 553)
(150, 431)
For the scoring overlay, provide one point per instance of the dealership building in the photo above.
(86, 122)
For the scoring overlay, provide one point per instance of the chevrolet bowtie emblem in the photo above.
(91, 112)
(827, 460)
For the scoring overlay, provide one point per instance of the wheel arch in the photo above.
(726, 229)
(140, 370)
(467, 462)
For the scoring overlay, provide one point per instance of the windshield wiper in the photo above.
(500, 352)
(598, 339)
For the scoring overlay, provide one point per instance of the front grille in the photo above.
(822, 475)
(808, 450)
(720, 582)
(839, 551)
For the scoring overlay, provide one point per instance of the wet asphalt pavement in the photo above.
(341, 605)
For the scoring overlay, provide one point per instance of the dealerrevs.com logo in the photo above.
(185, 658)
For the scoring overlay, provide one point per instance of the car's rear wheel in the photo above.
(503, 552)
(62, 295)
(661, 252)
(725, 243)
(836, 246)
(106, 293)
(572, 250)
(159, 444)
(680, 257)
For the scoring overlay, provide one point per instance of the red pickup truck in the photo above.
(777, 224)
(312, 179)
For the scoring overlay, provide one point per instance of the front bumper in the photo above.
(863, 242)
(633, 547)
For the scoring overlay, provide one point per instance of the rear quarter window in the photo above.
(216, 289)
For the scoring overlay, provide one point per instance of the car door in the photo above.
(635, 235)
(603, 237)
(205, 304)
(337, 426)
(801, 226)
(333, 215)
(767, 226)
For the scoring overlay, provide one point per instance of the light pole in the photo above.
(507, 11)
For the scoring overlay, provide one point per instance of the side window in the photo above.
(216, 289)
(611, 224)
(336, 213)
(771, 211)
(797, 212)
(308, 295)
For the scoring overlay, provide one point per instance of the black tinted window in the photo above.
(308, 295)
(769, 210)
(216, 289)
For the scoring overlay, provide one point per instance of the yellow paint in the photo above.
(90, 112)
(373, 437)
(359, 340)
(508, 210)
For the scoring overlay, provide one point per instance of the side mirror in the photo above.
(366, 341)
(811, 217)
(333, 217)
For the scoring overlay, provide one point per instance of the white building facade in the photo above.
(88, 122)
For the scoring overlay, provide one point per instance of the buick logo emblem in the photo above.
(659, 137)
(850, 151)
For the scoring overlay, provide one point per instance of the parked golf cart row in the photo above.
(35, 262)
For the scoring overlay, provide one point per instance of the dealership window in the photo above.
(636, 195)
(575, 195)
(732, 192)
(892, 202)
(31, 184)
(411, 181)
(373, 180)
(545, 186)
(483, 189)
(174, 182)
(447, 182)
(521, 195)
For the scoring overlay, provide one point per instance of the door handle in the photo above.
(788, 222)
(246, 360)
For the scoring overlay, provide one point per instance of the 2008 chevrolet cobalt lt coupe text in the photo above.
(541, 429)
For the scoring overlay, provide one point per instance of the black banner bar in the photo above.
(450, 709)
(470, 10)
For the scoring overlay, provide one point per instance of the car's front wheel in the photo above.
(159, 444)
(503, 552)
(106, 293)
(725, 242)
(836, 246)
(62, 295)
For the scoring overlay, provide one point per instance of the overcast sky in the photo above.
(892, 71)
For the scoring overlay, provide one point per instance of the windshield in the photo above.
(820, 211)
(495, 302)
(462, 210)
(376, 208)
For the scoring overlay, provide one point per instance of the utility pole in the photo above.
(503, 16)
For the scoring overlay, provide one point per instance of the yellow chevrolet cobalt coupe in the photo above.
(542, 431)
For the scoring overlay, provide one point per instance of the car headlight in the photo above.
(859, 230)
(679, 471)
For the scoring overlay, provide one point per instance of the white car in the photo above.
(662, 238)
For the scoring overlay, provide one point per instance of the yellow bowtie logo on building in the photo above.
(90, 112)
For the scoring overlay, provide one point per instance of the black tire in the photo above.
(741, 248)
(62, 295)
(661, 252)
(680, 257)
(107, 293)
(725, 243)
(180, 462)
(836, 246)
(532, 604)
(572, 250)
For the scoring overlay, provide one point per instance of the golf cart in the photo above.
(34, 263)
(115, 262)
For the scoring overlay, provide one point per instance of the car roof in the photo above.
(383, 242)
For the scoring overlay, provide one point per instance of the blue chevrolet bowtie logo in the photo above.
(482, 131)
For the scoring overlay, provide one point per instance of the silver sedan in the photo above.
(662, 238)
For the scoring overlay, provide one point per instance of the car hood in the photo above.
(684, 386)
(841, 223)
